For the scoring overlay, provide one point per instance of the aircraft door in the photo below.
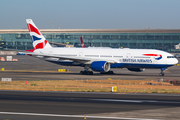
(128, 55)
(81, 54)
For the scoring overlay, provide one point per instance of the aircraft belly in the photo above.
(132, 65)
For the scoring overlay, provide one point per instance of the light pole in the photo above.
(52, 31)
(59, 26)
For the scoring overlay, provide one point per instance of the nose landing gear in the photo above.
(162, 72)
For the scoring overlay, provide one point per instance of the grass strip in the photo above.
(123, 86)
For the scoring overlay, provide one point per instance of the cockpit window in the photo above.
(170, 57)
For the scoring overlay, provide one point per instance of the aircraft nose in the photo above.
(175, 61)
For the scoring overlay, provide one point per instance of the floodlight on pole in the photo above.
(59, 26)
(52, 30)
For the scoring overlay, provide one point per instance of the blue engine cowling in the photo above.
(100, 66)
(136, 69)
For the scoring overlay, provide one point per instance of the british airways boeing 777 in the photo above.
(100, 59)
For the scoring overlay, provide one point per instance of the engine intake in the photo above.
(136, 69)
(100, 66)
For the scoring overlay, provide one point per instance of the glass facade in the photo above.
(165, 41)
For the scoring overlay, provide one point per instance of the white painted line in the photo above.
(135, 101)
(77, 116)
(116, 100)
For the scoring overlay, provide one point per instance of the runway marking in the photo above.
(134, 101)
(77, 116)
(116, 100)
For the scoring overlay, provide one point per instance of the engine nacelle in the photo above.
(136, 69)
(100, 66)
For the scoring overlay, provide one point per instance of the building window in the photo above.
(19, 43)
(19, 36)
(175, 37)
(140, 37)
(132, 45)
(106, 37)
(132, 37)
(158, 44)
(105, 45)
(21, 47)
(9, 43)
(96, 44)
(49, 36)
(29, 43)
(167, 37)
(123, 37)
(124, 45)
(96, 36)
(158, 37)
(87, 44)
(149, 37)
(23, 36)
(115, 45)
(60, 36)
(77, 44)
(68, 36)
(114, 36)
(77, 36)
(29, 47)
(87, 36)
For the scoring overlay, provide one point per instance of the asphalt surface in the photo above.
(36, 69)
(20, 105)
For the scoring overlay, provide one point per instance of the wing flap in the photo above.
(80, 59)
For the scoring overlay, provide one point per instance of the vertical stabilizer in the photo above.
(38, 40)
(82, 43)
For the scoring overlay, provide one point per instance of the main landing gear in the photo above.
(109, 72)
(86, 71)
(162, 72)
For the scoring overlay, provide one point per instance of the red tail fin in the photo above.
(82, 43)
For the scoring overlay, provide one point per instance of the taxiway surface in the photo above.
(73, 105)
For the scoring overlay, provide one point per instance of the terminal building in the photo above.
(161, 39)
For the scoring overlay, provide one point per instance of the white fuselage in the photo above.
(124, 56)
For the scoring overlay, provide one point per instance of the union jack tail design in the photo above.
(38, 40)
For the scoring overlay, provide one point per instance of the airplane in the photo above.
(100, 59)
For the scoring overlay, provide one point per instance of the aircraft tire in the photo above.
(86, 72)
(109, 72)
(161, 74)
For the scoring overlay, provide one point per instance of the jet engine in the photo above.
(100, 66)
(136, 69)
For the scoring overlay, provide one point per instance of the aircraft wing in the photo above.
(76, 58)
(59, 56)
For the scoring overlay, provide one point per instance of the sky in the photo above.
(91, 14)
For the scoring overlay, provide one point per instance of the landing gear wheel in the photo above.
(86, 72)
(109, 72)
(91, 73)
(162, 71)
(161, 74)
